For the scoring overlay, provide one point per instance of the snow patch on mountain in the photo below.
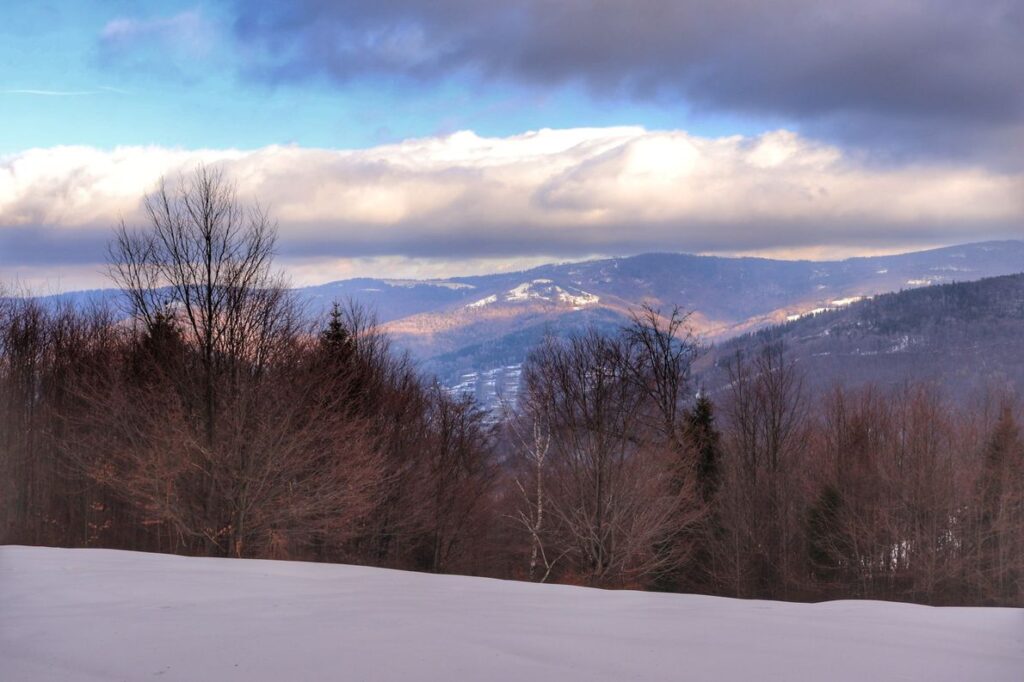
(530, 290)
(409, 283)
(547, 290)
(483, 301)
(833, 305)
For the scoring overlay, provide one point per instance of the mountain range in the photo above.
(473, 333)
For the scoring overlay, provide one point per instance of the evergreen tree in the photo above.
(160, 348)
(335, 339)
(702, 442)
(826, 546)
(704, 438)
(340, 362)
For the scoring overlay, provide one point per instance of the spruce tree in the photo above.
(335, 339)
(703, 437)
(702, 459)
(341, 365)
(159, 350)
(826, 546)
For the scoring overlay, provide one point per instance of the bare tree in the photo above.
(288, 464)
(42, 352)
(204, 259)
(458, 475)
(995, 544)
(240, 425)
(609, 483)
(661, 352)
(767, 435)
(531, 438)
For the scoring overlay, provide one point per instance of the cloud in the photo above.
(63, 93)
(558, 193)
(186, 30)
(175, 45)
(931, 75)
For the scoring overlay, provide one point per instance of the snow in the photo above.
(546, 290)
(524, 291)
(578, 301)
(837, 303)
(77, 615)
(494, 388)
(410, 283)
(483, 302)
(809, 313)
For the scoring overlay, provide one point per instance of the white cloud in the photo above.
(188, 30)
(183, 47)
(556, 192)
(49, 93)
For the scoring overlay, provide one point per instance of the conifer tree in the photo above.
(336, 339)
(826, 547)
(704, 438)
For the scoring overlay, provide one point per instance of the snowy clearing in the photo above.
(106, 615)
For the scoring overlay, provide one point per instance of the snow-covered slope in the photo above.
(104, 615)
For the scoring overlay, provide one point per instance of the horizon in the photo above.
(434, 141)
(27, 291)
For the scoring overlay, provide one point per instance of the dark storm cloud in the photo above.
(867, 67)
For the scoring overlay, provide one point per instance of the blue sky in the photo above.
(188, 87)
(405, 138)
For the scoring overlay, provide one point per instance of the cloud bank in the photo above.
(563, 193)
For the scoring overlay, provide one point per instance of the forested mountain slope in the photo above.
(964, 337)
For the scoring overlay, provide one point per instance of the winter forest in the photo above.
(208, 415)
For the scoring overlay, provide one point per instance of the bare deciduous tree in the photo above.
(767, 428)
(531, 440)
(609, 483)
(204, 259)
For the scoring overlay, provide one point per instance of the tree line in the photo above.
(210, 417)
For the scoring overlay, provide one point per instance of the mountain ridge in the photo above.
(462, 328)
(962, 338)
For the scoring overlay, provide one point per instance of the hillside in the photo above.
(963, 337)
(77, 615)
